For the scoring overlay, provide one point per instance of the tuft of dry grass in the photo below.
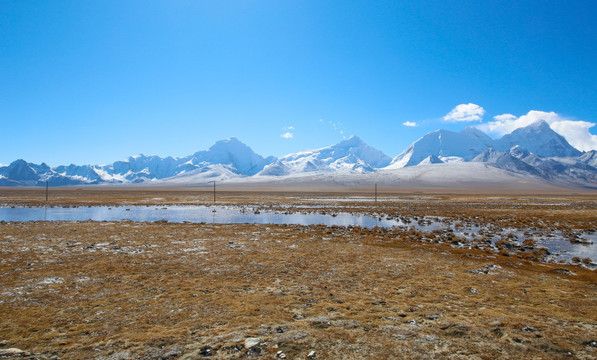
(145, 290)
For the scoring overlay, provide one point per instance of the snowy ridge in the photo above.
(457, 146)
(534, 154)
(352, 155)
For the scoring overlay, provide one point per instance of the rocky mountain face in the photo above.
(535, 151)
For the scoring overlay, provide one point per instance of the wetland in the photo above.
(451, 276)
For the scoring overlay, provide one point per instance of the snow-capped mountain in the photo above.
(539, 139)
(445, 146)
(226, 158)
(448, 146)
(557, 170)
(534, 154)
(352, 155)
(233, 158)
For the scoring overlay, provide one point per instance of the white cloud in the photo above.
(409, 124)
(466, 112)
(288, 128)
(287, 135)
(576, 132)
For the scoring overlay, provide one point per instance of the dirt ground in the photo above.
(138, 290)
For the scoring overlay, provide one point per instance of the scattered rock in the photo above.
(473, 290)
(487, 269)
(251, 342)
(13, 351)
(291, 335)
(591, 343)
(281, 355)
(52, 280)
(528, 329)
(563, 271)
(457, 330)
(172, 354)
(311, 355)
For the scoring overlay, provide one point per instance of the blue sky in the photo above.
(91, 82)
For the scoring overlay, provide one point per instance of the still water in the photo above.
(561, 248)
(194, 214)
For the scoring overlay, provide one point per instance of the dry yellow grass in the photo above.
(119, 290)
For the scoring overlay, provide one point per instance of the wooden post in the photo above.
(214, 192)
(47, 190)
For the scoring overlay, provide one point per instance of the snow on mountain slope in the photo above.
(431, 159)
(464, 145)
(589, 158)
(505, 161)
(352, 155)
(204, 175)
(537, 152)
(462, 175)
(230, 152)
(226, 158)
(566, 171)
(539, 139)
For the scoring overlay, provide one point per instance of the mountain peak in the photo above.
(540, 125)
(540, 139)
(473, 131)
(352, 141)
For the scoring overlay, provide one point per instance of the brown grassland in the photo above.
(158, 290)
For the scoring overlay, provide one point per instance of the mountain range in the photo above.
(535, 152)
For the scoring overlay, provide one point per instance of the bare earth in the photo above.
(128, 290)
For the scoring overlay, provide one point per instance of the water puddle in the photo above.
(561, 249)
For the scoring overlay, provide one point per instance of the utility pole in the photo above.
(375, 193)
(47, 190)
(214, 190)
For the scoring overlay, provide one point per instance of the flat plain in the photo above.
(162, 290)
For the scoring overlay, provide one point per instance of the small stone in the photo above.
(281, 355)
(206, 351)
(251, 342)
(563, 271)
(311, 355)
(473, 291)
(13, 351)
(528, 329)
